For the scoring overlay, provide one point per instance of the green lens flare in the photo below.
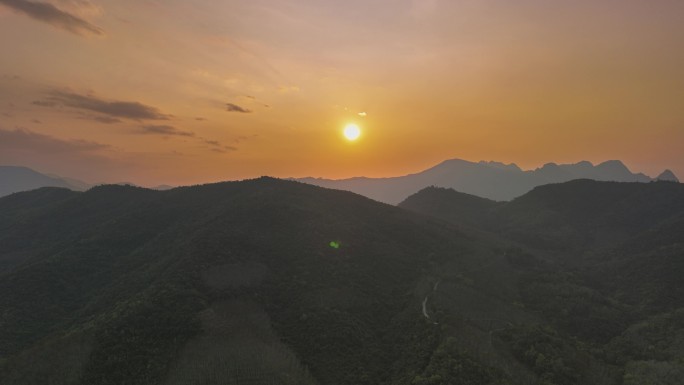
(335, 245)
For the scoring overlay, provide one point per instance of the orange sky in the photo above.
(181, 91)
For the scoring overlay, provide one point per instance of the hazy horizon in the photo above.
(147, 184)
(184, 92)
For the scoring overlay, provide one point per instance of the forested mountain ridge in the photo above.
(276, 282)
(576, 215)
(234, 280)
(612, 257)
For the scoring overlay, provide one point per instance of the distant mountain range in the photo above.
(16, 179)
(492, 180)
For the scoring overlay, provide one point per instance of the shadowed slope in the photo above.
(130, 273)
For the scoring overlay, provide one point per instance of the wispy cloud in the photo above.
(288, 89)
(243, 138)
(115, 109)
(44, 103)
(224, 149)
(54, 16)
(65, 156)
(253, 99)
(216, 146)
(230, 107)
(23, 139)
(101, 119)
(165, 130)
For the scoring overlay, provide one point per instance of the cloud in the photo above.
(288, 89)
(116, 109)
(253, 99)
(230, 107)
(54, 16)
(101, 119)
(243, 138)
(216, 146)
(63, 156)
(165, 130)
(84, 9)
(224, 149)
(22, 139)
(44, 103)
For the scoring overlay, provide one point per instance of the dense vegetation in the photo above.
(601, 264)
(274, 282)
(129, 279)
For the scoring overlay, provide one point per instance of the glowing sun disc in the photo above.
(352, 132)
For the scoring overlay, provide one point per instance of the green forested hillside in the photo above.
(224, 283)
(602, 265)
(275, 282)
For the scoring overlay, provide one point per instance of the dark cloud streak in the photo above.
(44, 103)
(54, 16)
(101, 119)
(165, 130)
(230, 107)
(116, 109)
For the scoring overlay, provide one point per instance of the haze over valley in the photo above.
(376, 192)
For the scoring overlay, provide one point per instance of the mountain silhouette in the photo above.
(492, 180)
(14, 179)
(667, 176)
(268, 281)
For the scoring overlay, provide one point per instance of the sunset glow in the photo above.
(187, 92)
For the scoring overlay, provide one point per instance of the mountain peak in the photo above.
(18, 178)
(500, 165)
(667, 176)
(613, 165)
(452, 162)
(487, 179)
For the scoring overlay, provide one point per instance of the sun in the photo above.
(352, 132)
